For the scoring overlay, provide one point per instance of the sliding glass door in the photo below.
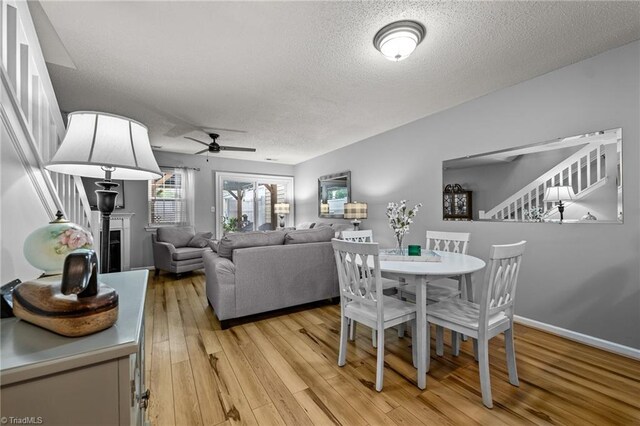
(247, 202)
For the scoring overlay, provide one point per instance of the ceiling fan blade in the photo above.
(200, 152)
(196, 140)
(222, 129)
(236, 148)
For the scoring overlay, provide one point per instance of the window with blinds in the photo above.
(167, 199)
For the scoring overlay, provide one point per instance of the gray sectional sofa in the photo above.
(255, 272)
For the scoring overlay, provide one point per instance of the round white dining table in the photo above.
(420, 273)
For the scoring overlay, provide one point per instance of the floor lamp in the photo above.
(102, 145)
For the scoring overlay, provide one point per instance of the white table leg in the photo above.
(421, 330)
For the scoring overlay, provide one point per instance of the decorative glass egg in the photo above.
(46, 247)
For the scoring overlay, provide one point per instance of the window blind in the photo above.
(167, 198)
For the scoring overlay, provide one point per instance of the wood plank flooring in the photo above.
(283, 371)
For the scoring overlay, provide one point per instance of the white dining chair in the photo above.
(366, 236)
(362, 300)
(453, 242)
(488, 318)
(439, 290)
(363, 236)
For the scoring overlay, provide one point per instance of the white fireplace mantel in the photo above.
(119, 222)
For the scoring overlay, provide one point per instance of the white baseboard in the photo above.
(579, 337)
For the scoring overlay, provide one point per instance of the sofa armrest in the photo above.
(220, 284)
(162, 254)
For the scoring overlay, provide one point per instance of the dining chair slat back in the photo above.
(364, 236)
(502, 279)
(454, 242)
(358, 280)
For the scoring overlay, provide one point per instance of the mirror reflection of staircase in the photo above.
(586, 171)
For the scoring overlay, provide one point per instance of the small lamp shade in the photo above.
(95, 140)
(324, 208)
(355, 210)
(559, 193)
(281, 208)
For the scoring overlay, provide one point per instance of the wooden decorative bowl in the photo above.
(41, 302)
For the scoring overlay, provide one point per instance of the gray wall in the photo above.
(136, 195)
(584, 278)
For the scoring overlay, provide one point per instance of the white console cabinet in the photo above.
(92, 380)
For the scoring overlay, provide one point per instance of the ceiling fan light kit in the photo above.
(399, 39)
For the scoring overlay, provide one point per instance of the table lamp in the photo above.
(355, 211)
(281, 209)
(324, 208)
(99, 145)
(559, 194)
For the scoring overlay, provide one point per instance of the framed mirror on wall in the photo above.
(333, 192)
(577, 179)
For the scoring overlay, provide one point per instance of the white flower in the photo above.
(400, 218)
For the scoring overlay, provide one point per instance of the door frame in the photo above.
(256, 178)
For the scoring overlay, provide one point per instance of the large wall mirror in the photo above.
(333, 192)
(520, 184)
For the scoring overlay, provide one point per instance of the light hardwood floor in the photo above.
(283, 370)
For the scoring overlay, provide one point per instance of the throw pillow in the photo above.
(200, 240)
(214, 245)
(239, 240)
(305, 225)
(316, 235)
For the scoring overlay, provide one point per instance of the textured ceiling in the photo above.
(303, 78)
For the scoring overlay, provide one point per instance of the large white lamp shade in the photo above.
(97, 140)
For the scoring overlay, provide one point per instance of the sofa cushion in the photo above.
(184, 253)
(315, 235)
(178, 236)
(337, 227)
(200, 240)
(238, 240)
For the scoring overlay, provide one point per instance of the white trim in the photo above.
(24, 16)
(118, 222)
(581, 338)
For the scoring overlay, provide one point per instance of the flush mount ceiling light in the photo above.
(398, 40)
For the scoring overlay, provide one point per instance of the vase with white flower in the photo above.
(400, 219)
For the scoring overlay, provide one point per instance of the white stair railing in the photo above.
(568, 172)
(30, 109)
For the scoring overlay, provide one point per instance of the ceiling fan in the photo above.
(215, 148)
